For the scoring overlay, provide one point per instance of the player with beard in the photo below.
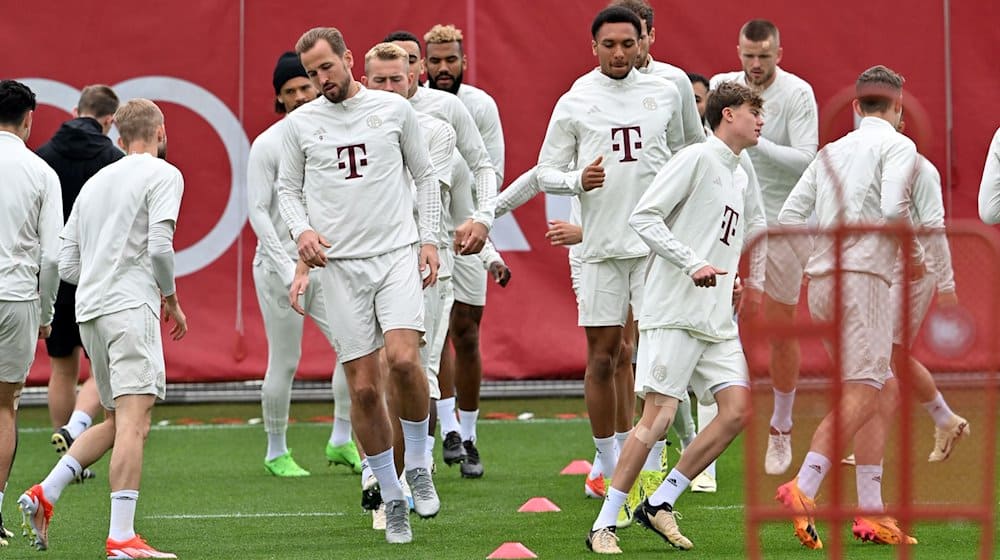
(273, 270)
(118, 249)
(787, 145)
(469, 278)
(345, 191)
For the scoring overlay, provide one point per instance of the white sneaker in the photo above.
(779, 452)
(704, 482)
(945, 440)
(378, 518)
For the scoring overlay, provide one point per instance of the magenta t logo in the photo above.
(626, 145)
(355, 159)
(730, 218)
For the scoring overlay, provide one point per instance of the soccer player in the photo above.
(446, 64)
(606, 139)
(274, 270)
(989, 188)
(31, 203)
(862, 178)
(118, 250)
(687, 334)
(787, 144)
(345, 194)
(78, 149)
(700, 85)
(694, 130)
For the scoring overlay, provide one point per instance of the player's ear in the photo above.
(857, 108)
(593, 46)
(777, 59)
(349, 58)
(364, 80)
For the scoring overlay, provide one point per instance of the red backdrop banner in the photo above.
(209, 64)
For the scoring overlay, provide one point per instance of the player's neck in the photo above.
(730, 140)
(15, 130)
(141, 147)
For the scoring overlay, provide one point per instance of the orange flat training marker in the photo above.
(538, 505)
(579, 466)
(511, 550)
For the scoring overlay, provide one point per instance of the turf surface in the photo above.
(205, 494)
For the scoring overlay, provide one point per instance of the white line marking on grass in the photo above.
(246, 515)
(209, 426)
(721, 508)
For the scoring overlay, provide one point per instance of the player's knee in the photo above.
(364, 396)
(601, 366)
(465, 337)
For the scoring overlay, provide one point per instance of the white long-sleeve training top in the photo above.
(694, 131)
(864, 178)
(485, 113)
(31, 210)
(788, 139)
(350, 161)
(440, 138)
(449, 108)
(109, 233)
(635, 125)
(276, 250)
(927, 212)
(989, 188)
(699, 210)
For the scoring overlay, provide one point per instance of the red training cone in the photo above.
(512, 550)
(538, 505)
(579, 466)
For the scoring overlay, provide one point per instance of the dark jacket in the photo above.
(77, 151)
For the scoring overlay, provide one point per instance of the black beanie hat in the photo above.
(289, 66)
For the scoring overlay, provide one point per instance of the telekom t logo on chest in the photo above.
(356, 157)
(730, 218)
(626, 145)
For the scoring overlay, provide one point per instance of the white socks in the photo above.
(429, 456)
(939, 411)
(341, 432)
(869, 482)
(613, 502)
(415, 440)
(385, 472)
(446, 416)
(653, 459)
(60, 477)
(812, 473)
(276, 445)
(467, 419)
(670, 489)
(78, 422)
(620, 438)
(123, 514)
(781, 418)
(606, 456)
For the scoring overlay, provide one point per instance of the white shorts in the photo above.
(921, 294)
(369, 297)
(866, 333)
(438, 300)
(470, 280)
(671, 360)
(126, 354)
(280, 319)
(607, 288)
(575, 264)
(783, 273)
(19, 322)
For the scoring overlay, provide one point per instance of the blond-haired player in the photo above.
(118, 250)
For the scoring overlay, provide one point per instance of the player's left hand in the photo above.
(500, 273)
(564, 233)
(737, 292)
(44, 331)
(947, 299)
(298, 289)
(470, 237)
(750, 302)
(429, 264)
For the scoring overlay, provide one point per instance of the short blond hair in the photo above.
(138, 119)
(386, 51)
(443, 34)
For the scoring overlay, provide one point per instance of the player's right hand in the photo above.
(298, 289)
(500, 273)
(947, 299)
(593, 175)
(172, 310)
(704, 277)
(44, 331)
(564, 233)
(311, 245)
